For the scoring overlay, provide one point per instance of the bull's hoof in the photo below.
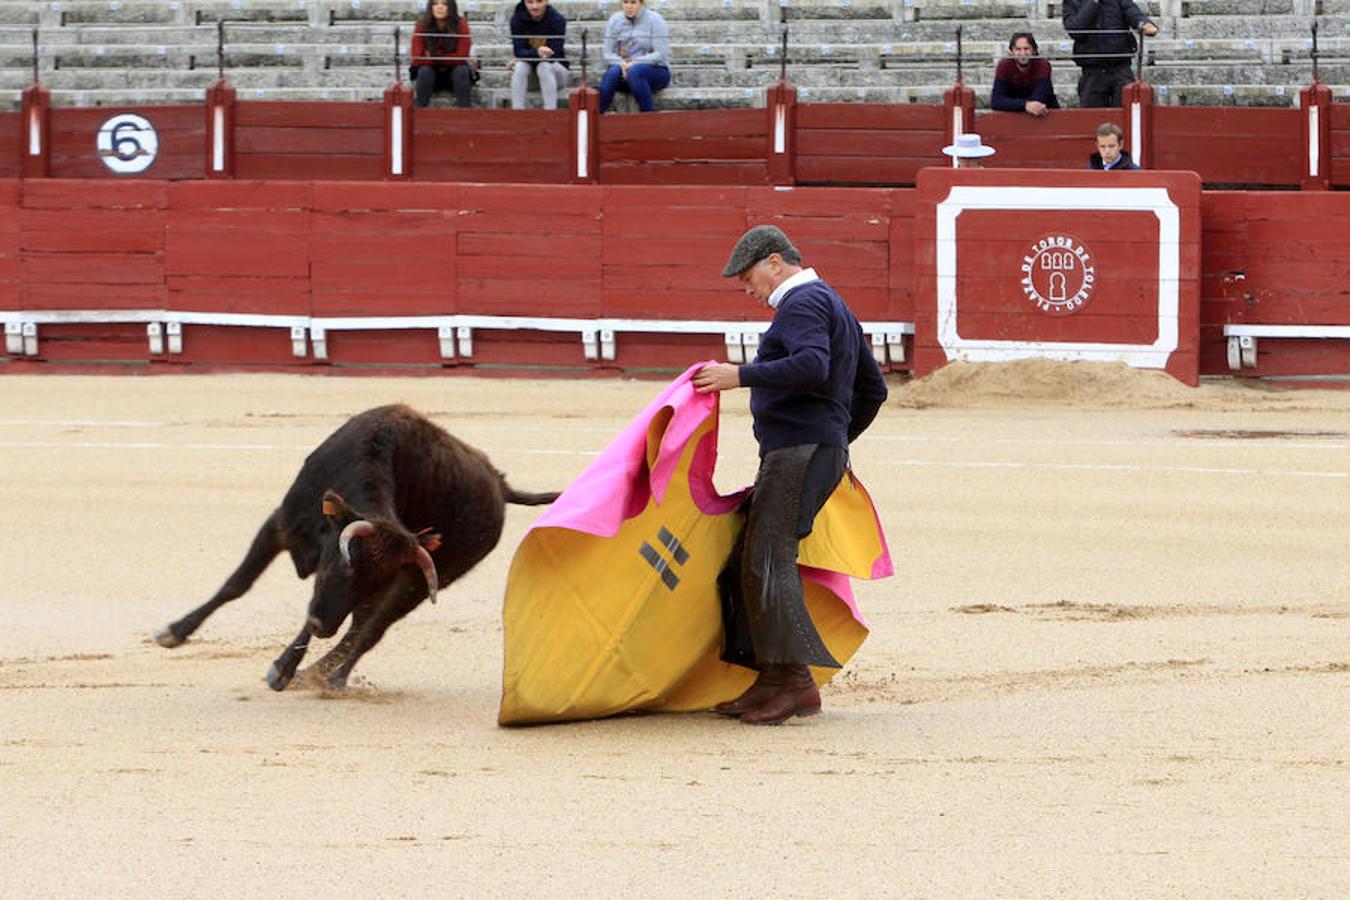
(277, 679)
(336, 682)
(166, 638)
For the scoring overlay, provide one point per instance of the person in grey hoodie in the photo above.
(537, 32)
(637, 49)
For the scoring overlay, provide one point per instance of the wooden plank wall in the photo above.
(1340, 144)
(1230, 145)
(11, 144)
(380, 248)
(867, 144)
(717, 146)
(10, 274)
(303, 141)
(1275, 259)
(181, 132)
(495, 145)
(835, 144)
(1062, 140)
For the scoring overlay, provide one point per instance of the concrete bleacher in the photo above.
(725, 53)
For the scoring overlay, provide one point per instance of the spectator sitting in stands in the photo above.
(967, 151)
(440, 53)
(1022, 83)
(537, 31)
(637, 45)
(1103, 45)
(1110, 153)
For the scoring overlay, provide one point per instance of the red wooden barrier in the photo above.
(162, 142)
(288, 139)
(230, 253)
(1339, 114)
(10, 275)
(1272, 259)
(1230, 145)
(10, 128)
(1062, 140)
(530, 250)
(496, 145)
(720, 146)
(855, 144)
(825, 144)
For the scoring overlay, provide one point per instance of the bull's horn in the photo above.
(359, 528)
(429, 570)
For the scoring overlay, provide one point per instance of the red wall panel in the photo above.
(1062, 140)
(239, 251)
(410, 248)
(10, 271)
(847, 143)
(1229, 145)
(722, 146)
(323, 140)
(180, 132)
(490, 145)
(11, 145)
(383, 249)
(664, 249)
(99, 242)
(1340, 144)
(530, 250)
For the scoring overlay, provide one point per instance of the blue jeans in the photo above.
(643, 81)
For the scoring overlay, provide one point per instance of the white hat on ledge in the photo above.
(968, 146)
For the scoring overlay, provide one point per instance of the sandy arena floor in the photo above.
(1115, 661)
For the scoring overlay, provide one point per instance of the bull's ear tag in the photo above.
(430, 541)
(329, 507)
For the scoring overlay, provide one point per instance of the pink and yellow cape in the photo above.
(612, 602)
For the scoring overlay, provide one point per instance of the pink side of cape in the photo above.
(617, 481)
(596, 502)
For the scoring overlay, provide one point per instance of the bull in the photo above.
(349, 520)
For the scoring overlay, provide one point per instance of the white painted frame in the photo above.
(992, 197)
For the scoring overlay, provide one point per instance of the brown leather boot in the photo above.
(765, 686)
(797, 695)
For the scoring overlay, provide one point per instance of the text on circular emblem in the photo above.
(1058, 274)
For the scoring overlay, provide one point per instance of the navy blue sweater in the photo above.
(814, 380)
(526, 33)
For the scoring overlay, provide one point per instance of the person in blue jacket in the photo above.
(814, 388)
(537, 34)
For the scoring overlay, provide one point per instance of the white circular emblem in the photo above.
(1058, 274)
(127, 144)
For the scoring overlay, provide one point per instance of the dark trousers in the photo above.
(642, 82)
(763, 605)
(1099, 86)
(430, 79)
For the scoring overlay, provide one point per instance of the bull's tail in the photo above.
(525, 498)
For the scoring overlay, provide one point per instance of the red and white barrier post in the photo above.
(782, 109)
(398, 139)
(220, 130)
(36, 143)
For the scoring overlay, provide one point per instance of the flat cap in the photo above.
(755, 245)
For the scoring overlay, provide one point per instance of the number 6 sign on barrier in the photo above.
(127, 144)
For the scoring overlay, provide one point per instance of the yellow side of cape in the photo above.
(596, 626)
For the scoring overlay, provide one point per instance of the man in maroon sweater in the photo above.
(814, 387)
(1022, 83)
